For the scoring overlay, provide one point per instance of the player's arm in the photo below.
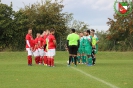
(78, 43)
(42, 45)
(45, 44)
(67, 43)
(54, 42)
(97, 41)
(28, 43)
(36, 44)
(33, 49)
(39, 43)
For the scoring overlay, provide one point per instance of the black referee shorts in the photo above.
(73, 49)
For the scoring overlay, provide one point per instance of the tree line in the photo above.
(49, 14)
(38, 16)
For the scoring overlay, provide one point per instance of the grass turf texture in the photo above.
(113, 67)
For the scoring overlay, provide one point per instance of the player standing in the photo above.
(73, 44)
(83, 48)
(88, 47)
(51, 45)
(80, 49)
(95, 40)
(45, 45)
(41, 48)
(29, 44)
(35, 49)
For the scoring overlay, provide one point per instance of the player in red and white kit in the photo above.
(51, 45)
(35, 49)
(41, 48)
(29, 44)
(45, 50)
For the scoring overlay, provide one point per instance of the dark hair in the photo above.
(51, 30)
(30, 29)
(88, 31)
(93, 30)
(73, 30)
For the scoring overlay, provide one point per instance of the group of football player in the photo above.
(82, 47)
(42, 47)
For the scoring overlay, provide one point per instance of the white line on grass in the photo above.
(93, 77)
(98, 79)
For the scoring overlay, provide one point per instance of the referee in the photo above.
(72, 45)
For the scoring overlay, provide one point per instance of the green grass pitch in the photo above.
(112, 70)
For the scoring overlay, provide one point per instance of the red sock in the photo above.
(52, 62)
(49, 61)
(46, 60)
(41, 60)
(28, 59)
(36, 59)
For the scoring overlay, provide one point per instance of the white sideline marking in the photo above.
(98, 79)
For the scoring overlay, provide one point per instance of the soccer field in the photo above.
(112, 70)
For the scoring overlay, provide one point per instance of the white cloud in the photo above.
(94, 4)
(99, 4)
(17, 4)
(93, 12)
(99, 27)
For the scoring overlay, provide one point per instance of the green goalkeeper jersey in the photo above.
(94, 40)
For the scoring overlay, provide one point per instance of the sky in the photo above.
(95, 13)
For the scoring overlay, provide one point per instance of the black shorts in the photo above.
(73, 49)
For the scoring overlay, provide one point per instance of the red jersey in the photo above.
(44, 39)
(36, 43)
(33, 43)
(40, 39)
(29, 38)
(51, 44)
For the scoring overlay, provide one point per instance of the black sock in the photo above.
(94, 59)
(70, 59)
(92, 56)
(75, 60)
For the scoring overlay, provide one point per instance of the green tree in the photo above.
(6, 25)
(121, 30)
(39, 17)
(78, 25)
